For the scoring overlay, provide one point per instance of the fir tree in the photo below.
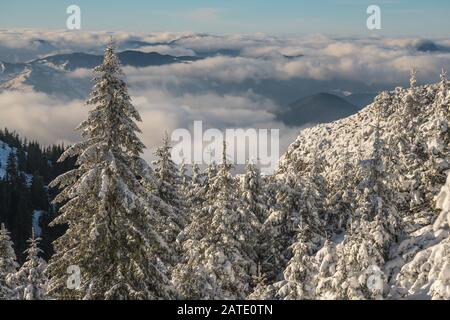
(185, 183)
(113, 221)
(169, 187)
(196, 191)
(279, 229)
(326, 260)
(8, 265)
(300, 274)
(217, 263)
(298, 202)
(253, 202)
(31, 279)
(252, 191)
(428, 273)
(375, 227)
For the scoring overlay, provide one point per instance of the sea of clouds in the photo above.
(220, 89)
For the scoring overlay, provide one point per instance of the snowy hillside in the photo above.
(403, 139)
(358, 208)
(405, 115)
(5, 151)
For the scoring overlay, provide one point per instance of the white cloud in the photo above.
(49, 119)
(40, 117)
(81, 73)
(370, 60)
(170, 50)
(174, 96)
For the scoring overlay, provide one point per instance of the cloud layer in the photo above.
(219, 89)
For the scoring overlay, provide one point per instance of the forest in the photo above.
(357, 209)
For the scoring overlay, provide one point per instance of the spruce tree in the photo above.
(300, 274)
(279, 230)
(428, 273)
(31, 279)
(185, 183)
(298, 203)
(375, 226)
(169, 188)
(218, 262)
(253, 202)
(434, 168)
(8, 265)
(195, 191)
(252, 192)
(113, 234)
(326, 260)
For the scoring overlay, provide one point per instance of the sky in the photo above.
(333, 17)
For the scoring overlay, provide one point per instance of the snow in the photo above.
(415, 155)
(5, 151)
(37, 214)
(352, 201)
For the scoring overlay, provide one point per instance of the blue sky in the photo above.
(340, 17)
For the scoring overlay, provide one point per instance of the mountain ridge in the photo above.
(318, 108)
(49, 74)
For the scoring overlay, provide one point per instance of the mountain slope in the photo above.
(411, 127)
(131, 58)
(318, 108)
(52, 74)
(8, 70)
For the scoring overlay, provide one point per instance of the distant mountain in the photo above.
(430, 46)
(50, 74)
(35, 48)
(137, 44)
(131, 58)
(315, 109)
(47, 79)
(8, 69)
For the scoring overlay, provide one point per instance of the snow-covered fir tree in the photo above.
(427, 275)
(31, 279)
(169, 187)
(219, 259)
(196, 189)
(278, 231)
(113, 234)
(298, 202)
(326, 262)
(375, 227)
(8, 265)
(254, 202)
(253, 193)
(185, 184)
(340, 204)
(438, 146)
(411, 149)
(301, 272)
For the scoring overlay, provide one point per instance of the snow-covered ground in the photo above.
(412, 125)
(5, 151)
(37, 214)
